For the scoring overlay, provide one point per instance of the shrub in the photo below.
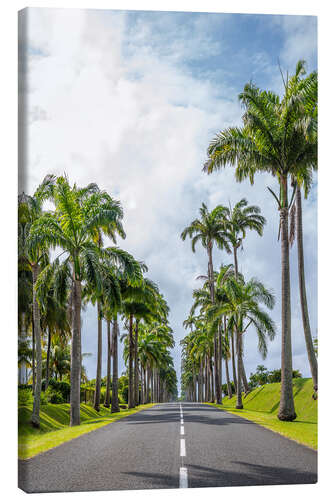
(53, 396)
(43, 399)
(275, 375)
(121, 399)
(25, 386)
(62, 387)
(124, 393)
(225, 388)
(25, 397)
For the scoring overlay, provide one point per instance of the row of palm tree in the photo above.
(278, 136)
(54, 291)
(154, 378)
(225, 302)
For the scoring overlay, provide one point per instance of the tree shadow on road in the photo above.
(247, 474)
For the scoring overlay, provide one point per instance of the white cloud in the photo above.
(138, 123)
(300, 40)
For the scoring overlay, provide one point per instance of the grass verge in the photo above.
(54, 426)
(262, 404)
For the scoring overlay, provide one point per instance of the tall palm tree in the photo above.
(305, 89)
(272, 140)
(24, 319)
(209, 229)
(148, 352)
(72, 227)
(243, 307)
(239, 219)
(129, 274)
(54, 321)
(153, 308)
(115, 334)
(60, 359)
(35, 255)
(135, 306)
(110, 229)
(24, 360)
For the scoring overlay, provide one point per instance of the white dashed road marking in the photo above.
(183, 482)
(182, 448)
(183, 476)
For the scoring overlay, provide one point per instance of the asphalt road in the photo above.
(156, 449)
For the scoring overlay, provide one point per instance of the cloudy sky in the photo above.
(131, 100)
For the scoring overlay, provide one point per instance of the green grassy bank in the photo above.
(262, 405)
(54, 426)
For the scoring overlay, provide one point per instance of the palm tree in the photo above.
(34, 254)
(153, 308)
(272, 140)
(53, 321)
(240, 219)
(60, 359)
(115, 333)
(148, 352)
(110, 229)
(72, 227)
(24, 320)
(243, 306)
(107, 296)
(209, 229)
(306, 89)
(128, 273)
(107, 400)
(137, 304)
(24, 359)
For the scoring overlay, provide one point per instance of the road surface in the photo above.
(187, 445)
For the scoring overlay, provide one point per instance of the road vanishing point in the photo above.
(171, 445)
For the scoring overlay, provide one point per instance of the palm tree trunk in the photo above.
(227, 352)
(193, 382)
(130, 363)
(244, 379)
(156, 385)
(115, 399)
(206, 379)
(148, 385)
(33, 361)
(108, 366)
(239, 404)
(239, 361)
(200, 382)
(35, 420)
(22, 375)
(302, 290)
(143, 389)
(209, 395)
(211, 380)
(227, 377)
(233, 361)
(286, 409)
(75, 377)
(212, 296)
(220, 358)
(97, 397)
(143, 385)
(136, 365)
(47, 374)
(152, 386)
